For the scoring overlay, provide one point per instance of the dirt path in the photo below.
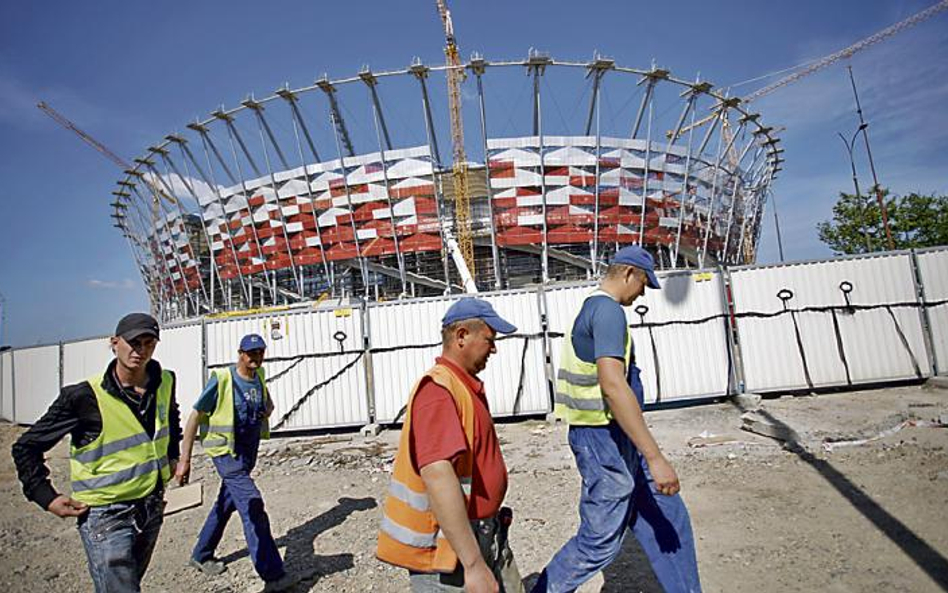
(768, 518)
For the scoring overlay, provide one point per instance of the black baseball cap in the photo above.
(134, 325)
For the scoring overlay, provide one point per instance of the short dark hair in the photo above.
(447, 332)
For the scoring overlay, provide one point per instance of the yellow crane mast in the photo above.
(462, 201)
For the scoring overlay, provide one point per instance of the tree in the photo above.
(915, 220)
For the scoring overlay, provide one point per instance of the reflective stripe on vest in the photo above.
(578, 398)
(123, 462)
(217, 432)
(419, 500)
(409, 535)
(119, 445)
(120, 476)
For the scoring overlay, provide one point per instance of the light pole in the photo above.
(863, 125)
(852, 164)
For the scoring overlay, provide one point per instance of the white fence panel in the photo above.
(869, 343)
(84, 359)
(333, 335)
(6, 385)
(35, 382)
(562, 305)
(513, 370)
(418, 322)
(693, 360)
(933, 269)
(179, 350)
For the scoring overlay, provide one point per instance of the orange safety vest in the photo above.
(409, 535)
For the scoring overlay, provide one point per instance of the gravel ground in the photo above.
(821, 513)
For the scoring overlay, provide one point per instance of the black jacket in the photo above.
(76, 412)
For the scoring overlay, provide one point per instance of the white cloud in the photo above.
(125, 284)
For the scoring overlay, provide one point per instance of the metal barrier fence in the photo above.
(708, 333)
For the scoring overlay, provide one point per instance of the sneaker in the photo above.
(281, 584)
(211, 568)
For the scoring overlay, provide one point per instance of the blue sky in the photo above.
(131, 72)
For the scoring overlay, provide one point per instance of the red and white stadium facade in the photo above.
(220, 219)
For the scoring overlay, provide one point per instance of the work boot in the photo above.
(211, 568)
(281, 584)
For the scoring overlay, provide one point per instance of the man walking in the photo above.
(124, 428)
(232, 415)
(627, 482)
(443, 519)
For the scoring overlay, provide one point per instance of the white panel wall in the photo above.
(6, 385)
(85, 358)
(342, 402)
(419, 322)
(933, 269)
(179, 350)
(36, 381)
(693, 358)
(502, 375)
(562, 305)
(871, 342)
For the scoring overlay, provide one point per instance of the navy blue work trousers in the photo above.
(619, 494)
(239, 493)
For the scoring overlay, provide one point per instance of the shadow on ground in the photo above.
(299, 557)
(629, 572)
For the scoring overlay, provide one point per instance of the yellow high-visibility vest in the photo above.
(123, 463)
(217, 431)
(578, 399)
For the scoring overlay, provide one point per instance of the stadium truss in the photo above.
(245, 209)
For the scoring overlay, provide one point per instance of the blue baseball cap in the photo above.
(472, 308)
(252, 342)
(633, 255)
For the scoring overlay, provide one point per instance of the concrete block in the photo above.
(938, 382)
(747, 401)
(370, 430)
(757, 424)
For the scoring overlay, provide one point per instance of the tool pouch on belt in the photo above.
(493, 539)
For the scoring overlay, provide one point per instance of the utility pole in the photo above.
(872, 167)
(852, 165)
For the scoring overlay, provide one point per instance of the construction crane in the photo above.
(829, 60)
(462, 202)
(104, 151)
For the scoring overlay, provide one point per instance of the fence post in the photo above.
(547, 348)
(13, 385)
(203, 350)
(62, 355)
(929, 340)
(367, 358)
(733, 336)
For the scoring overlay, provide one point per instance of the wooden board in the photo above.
(184, 497)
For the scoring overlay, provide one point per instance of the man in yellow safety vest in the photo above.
(232, 415)
(628, 484)
(124, 429)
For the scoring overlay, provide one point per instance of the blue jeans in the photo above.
(119, 539)
(239, 493)
(618, 493)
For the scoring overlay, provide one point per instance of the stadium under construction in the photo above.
(245, 209)
(329, 191)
